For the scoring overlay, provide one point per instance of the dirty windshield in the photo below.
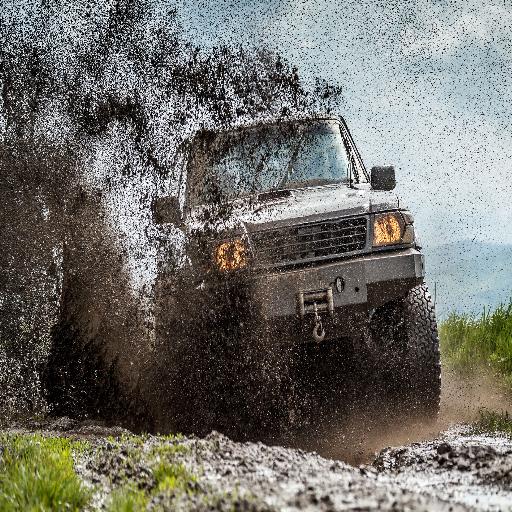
(274, 157)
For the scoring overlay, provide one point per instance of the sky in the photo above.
(427, 86)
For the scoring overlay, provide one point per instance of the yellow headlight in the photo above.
(387, 229)
(231, 255)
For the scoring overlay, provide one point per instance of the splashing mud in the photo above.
(465, 395)
(96, 99)
(362, 432)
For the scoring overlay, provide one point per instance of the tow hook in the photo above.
(318, 329)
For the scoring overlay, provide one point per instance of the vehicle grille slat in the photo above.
(310, 242)
(324, 251)
(275, 235)
(358, 236)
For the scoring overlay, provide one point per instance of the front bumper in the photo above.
(368, 282)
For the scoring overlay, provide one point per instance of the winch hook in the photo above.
(318, 329)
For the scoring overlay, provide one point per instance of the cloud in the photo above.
(439, 31)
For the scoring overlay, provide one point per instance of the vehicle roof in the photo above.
(270, 122)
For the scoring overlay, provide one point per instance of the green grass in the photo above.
(173, 477)
(129, 474)
(469, 343)
(37, 474)
(168, 476)
(494, 422)
(128, 499)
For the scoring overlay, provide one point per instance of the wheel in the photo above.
(407, 341)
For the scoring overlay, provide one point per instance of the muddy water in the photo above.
(458, 467)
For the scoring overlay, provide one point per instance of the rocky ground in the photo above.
(458, 470)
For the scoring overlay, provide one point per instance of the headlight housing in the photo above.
(231, 255)
(392, 229)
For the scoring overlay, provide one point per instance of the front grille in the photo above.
(310, 242)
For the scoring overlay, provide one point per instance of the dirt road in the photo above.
(458, 470)
(448, 466)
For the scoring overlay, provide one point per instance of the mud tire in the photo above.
(406, 336)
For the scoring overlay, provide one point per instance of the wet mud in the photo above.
(360, 461)
(457, 470)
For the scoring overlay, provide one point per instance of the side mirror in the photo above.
(383, 177)
(166, 210)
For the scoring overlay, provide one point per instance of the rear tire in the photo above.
(405, 333)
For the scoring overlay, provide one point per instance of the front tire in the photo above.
(406, 336)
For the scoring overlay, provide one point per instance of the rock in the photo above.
(444, 448)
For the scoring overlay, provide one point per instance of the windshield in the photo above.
(240, 163)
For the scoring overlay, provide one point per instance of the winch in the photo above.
(314, 302)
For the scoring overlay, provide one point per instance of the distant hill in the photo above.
(469, 276)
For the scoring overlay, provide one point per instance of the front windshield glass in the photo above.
(241, 163)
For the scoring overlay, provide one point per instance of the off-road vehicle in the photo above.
(281, 223)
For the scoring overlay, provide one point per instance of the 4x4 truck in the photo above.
(284, 216)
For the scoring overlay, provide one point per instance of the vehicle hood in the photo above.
(302, 206)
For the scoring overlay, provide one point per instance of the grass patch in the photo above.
(130, 474)
(167, 476)
(173, 477)
(128, 499)
(37, 474)
(491, 422)
(486, 341)
(166, 450)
